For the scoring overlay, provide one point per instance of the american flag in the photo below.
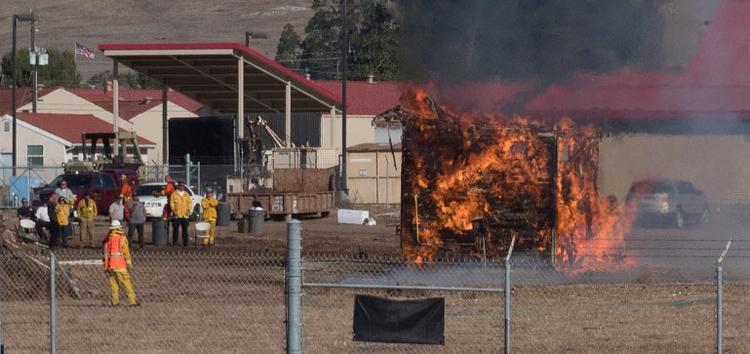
(83, 51)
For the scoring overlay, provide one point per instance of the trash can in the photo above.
(257, 218)
(225, 215)
(159, 234)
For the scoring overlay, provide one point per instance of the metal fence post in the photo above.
(52, 304)
(187, 169)
(506, 296)
(720, 300)
(294, 287)
(2, 344)
(198, 168)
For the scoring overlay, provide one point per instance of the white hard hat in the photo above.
(115, 225)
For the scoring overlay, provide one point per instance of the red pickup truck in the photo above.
(104, 186)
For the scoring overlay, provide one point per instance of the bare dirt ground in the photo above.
(230, 298)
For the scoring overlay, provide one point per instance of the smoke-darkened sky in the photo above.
(542, 41)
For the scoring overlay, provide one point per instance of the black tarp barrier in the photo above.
(378, 319)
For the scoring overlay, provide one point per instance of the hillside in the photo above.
(91, 22)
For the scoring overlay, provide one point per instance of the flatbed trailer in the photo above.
(295, 191)
(283, 203)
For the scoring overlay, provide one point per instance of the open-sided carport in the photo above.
(227, 77)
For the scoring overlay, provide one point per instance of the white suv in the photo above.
(155, 204)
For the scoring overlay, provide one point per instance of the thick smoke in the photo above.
(532, 41)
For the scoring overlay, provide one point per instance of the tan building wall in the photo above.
(146, 124)
(54, 150)
(63, 101)
(717, 164)
(359, 130)
(372, 179)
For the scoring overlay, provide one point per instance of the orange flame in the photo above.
(464, 168)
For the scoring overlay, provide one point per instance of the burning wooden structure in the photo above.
(470, 183)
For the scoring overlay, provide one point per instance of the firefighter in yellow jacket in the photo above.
(209, 205)
(117, 262)
(181, 205)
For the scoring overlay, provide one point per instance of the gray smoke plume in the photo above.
(534, 41)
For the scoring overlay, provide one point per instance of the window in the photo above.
(106, 181)
(7, 126)
(35, 155)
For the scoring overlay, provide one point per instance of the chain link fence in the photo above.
(14, 187)
(472, 293)
(198, 300)
(190, 302)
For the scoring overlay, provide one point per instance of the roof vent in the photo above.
(371, 79)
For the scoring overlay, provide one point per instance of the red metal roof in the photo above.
(365, 98)
(134, 102)
(257, 58)
(70, 126)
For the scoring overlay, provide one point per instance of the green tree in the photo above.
(61, 70)
(132, 80)
(375, 43)
(288, 51)
(373, 40)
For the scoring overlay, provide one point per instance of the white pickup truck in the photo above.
(155, 204)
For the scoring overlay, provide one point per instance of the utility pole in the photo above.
(23, 18)
(35, 68)
(344, 61)
(13, 95)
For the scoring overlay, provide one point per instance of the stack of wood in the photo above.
(512, 195)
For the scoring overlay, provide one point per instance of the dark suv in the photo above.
(104, 186)
(670, 200)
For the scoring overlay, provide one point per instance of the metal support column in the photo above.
(164, 124)
(115, 102)
(344, 66)
(294, 287)
(332, 138)
(52, 304)
(507, 295)
(240, 126)
(288, 114)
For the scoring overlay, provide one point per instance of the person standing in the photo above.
(169, 188)
(64, 191)
(126, 191)
(62, 211)
(209, 205)
(117, 210)
(181, 204)
(25, 211)
(117, 262)
(86, 214)
(41, 217)
(136, 219)
(54, 228)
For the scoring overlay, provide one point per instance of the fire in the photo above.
(513, 175)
